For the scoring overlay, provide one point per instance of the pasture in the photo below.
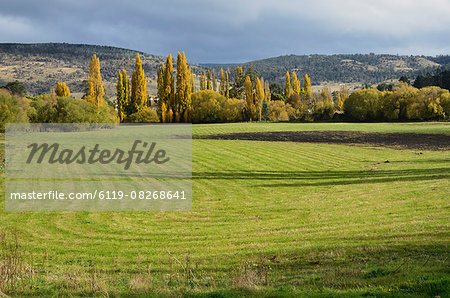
(268, 219)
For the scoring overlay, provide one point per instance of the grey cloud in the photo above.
(235, 31)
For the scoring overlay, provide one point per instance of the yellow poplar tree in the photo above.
(208, 80)
(96, 91)
(249, 106)
(227, 85)
(267, 95)
(183, 95)
(296, 87)
(259, 97)
(287, 86)
(62, 89)
(138, 87)
(222, 82)
(307, 87)
(169, 84)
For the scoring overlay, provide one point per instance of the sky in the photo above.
(235, 31)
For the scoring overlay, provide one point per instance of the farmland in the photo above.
(268, 218)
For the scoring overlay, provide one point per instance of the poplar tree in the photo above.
(296, 87)
(222, 85)
(183, 94)
(62, 89)
(119, 100)
(287, 86)
(169, 84)
(249, 106)
(192, 81)
(123, 95)
(202, 81)
(227, 85)
(208, 80)
(214, 82)
(259, 97)
(138, 87)
(267, 95)
(307, 87)
(95, 91)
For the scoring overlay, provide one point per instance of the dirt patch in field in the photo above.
(393, 140)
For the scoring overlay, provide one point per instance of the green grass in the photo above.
(268, 219)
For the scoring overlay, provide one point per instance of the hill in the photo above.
(40, 66)
(354, 68)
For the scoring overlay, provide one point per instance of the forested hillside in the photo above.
(356, 68)
(41, 66)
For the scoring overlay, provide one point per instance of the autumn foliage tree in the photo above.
(249, 106)
(307, 87)
(259, 98)
(62, 89)
(183, 93)
(296, 84)
(287, 85)
(123, 95)
(138, 99)
(96, 90)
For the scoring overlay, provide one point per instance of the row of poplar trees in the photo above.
(295, 86)
(208, 82)
(132, 98)
(174, 102)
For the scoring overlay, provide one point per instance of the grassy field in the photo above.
(268, 218)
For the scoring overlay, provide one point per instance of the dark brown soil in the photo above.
(394, 140)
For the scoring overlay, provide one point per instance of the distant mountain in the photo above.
(356, 68)
(40, 66)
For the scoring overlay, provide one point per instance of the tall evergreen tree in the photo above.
(138, 87)
(95, 91)
(287, 86)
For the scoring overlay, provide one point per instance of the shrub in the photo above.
(51, 109)
(12, 109)
(232, 110)
(364, 105)
(208, 107)
(278, 110)
(323, 110)
(147, 115)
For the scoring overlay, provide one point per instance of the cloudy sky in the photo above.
(235, 30)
